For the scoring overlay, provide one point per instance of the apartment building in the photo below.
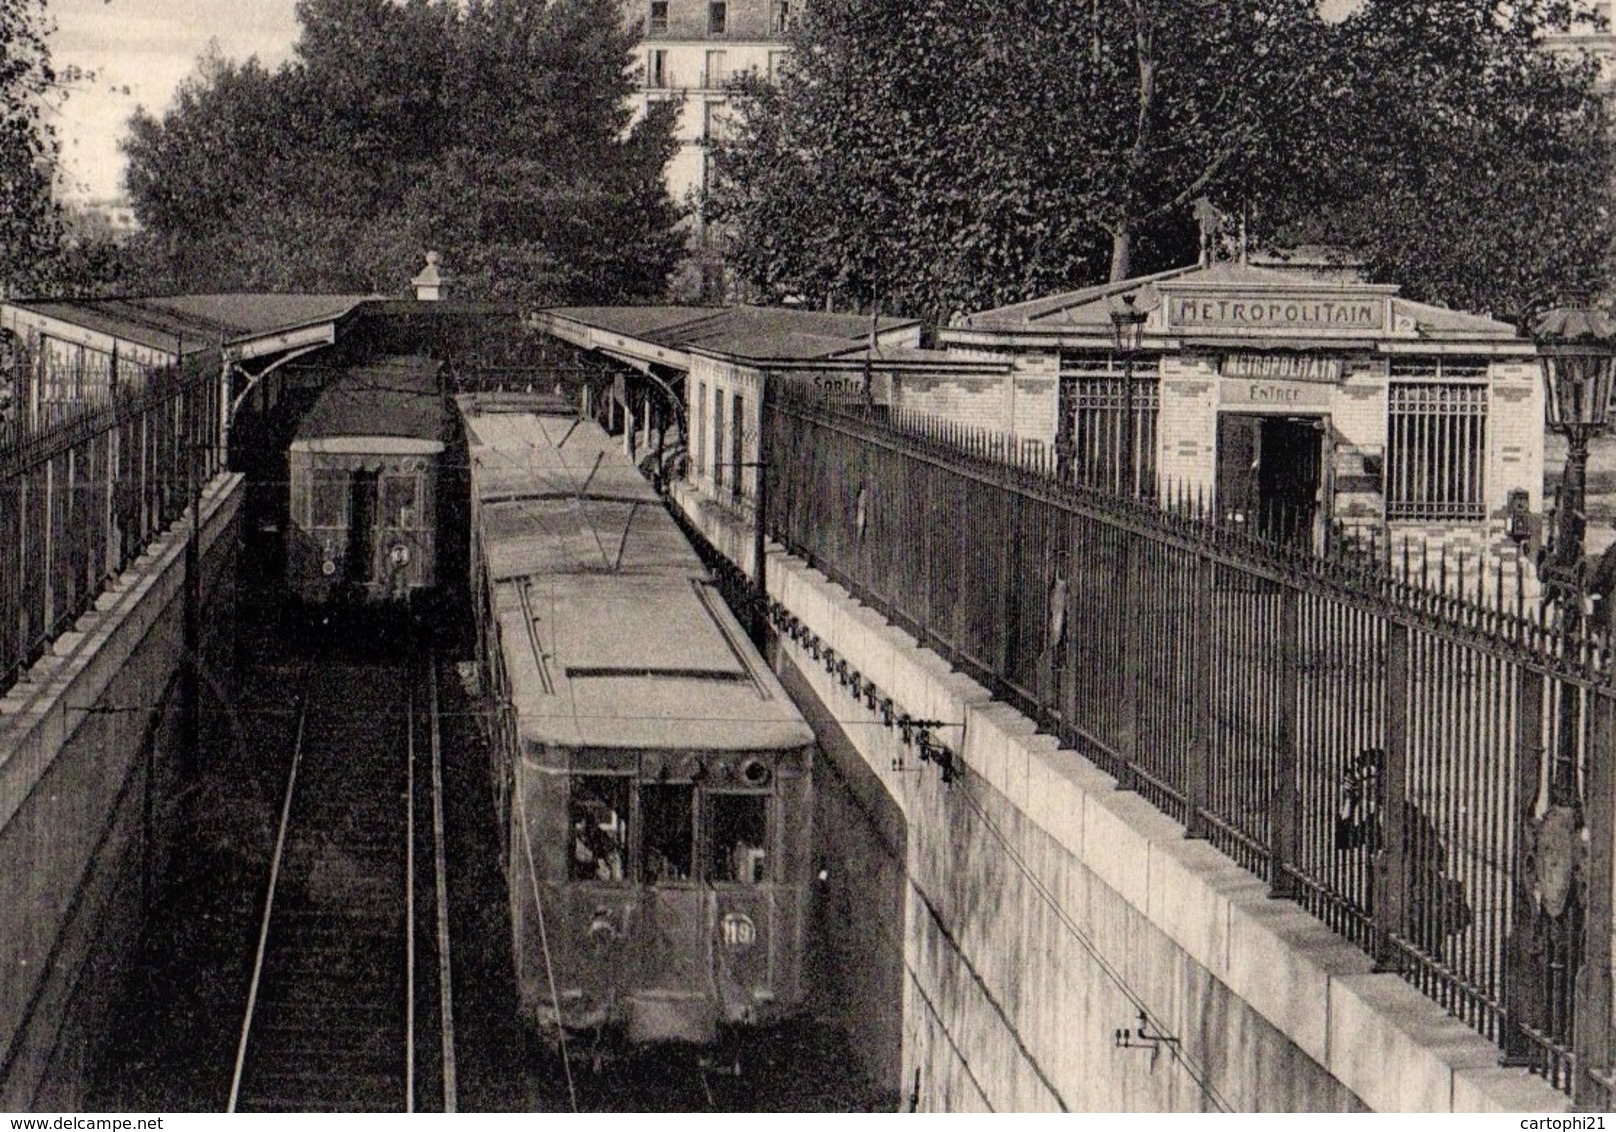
(691, 48)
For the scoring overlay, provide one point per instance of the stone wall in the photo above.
(1045, 910)
(91, 758)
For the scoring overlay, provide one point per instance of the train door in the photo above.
(359, 563)
(674, 992)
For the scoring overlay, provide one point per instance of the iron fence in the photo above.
(84, 490)
(1418, 769)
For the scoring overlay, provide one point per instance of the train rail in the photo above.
(349, 1004)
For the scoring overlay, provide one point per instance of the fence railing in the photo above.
(1419, 770)
(85, 491)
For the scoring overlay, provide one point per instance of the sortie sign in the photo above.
(1333, 313)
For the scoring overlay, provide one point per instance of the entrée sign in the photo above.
(1297, 312)
(1274, 394)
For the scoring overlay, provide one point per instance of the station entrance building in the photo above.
(1332, 407)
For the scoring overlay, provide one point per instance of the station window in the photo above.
(400, 507)
(667, 816)
(659, 15)
(328, 498)
(737, 443)
(737, 837)
(597, 814)
(717, 18)
(719, 454)
(1095, 401)
(1436, 447)
(698, 437)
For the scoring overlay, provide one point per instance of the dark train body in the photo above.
(364, 472)
(653, 779)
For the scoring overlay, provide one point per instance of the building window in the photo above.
(659, 16)
(718, 439)
(1436, 441)
(717, 69)
(1095, 400)
(737, 443)
(698, 439)
(777, 60)
(656, 69)
(717, 18)
(782, 17)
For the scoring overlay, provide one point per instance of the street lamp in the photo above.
(1577, 346)
(1128, 321)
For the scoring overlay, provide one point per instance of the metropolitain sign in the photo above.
(1333, 313)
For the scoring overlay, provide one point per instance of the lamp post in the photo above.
(1560, 947)
(1578, 351)
(1128, 323)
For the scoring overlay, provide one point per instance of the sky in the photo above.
(142, 50)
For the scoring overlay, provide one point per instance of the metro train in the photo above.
(653, 779)
(363, 471)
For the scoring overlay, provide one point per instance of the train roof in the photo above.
(604, 661)
(398, 398)
(557, 495)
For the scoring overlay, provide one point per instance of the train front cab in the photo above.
(363, 519)
(675, 886)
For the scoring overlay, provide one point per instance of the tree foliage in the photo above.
(1480, 171)
(29, 225)
(936, 155)
(494, 131)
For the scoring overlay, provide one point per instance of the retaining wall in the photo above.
(91, 759)
(1045, 910)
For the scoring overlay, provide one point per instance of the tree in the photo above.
(29, 226)
(494, 131)
(962, 153)
(937, 155)
(1480, 174)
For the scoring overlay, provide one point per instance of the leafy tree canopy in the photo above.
(494, 131)
(937, 155)
(1479, 172)
(29, 226)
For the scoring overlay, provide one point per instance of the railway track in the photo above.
(348, 1007)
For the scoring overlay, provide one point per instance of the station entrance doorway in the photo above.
(1272, 475)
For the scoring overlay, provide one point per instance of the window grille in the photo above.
(1095, 393)
(1436, 450)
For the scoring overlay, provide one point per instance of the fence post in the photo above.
(1198, 769)
(1282, 821)
(1591, 1040)
(1389, 885)
(1523, 981)
(1133, 640)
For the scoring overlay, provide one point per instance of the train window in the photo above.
(737, 827)
(598, 816)
(667, 816)
(328, 498)
(399, 507)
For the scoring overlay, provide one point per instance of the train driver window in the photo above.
(597, 814)
(667, 817)
(399, 508)
(328, 498)
(737, 828)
